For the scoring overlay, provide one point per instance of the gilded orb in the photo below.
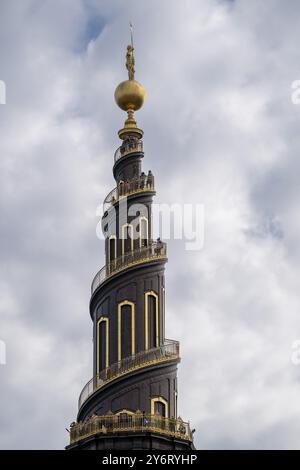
(130, 95)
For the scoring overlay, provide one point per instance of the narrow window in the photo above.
(112, 248)
(143, 232)
(127, 238)
(151, 320)
(126, 327)
(102, 344)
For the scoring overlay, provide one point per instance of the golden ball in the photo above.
(130, 95)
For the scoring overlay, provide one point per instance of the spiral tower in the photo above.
(131, 400)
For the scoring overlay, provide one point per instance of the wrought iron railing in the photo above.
(126, 188)
(154, 250)
(169, 350)
(127, 148)
(133, 422)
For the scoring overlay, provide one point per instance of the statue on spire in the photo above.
(130, 95)
(130, 62)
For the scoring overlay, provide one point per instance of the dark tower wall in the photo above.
(131, 286)
(140, 289)
(129, 210)
(132, 392)
(128, 168)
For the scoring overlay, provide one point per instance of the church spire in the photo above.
(131, 400)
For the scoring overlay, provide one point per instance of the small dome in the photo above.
(130, 95)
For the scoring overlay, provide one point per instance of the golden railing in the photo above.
(127, 148)
(140, 184)
(135, 422)
(154, 250)
(166, 352)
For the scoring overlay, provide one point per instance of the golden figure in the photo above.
(130, 62)
(129, 96)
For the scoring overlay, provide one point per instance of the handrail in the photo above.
(126, 188)
(127, 148)
(133, 422)
(155, 250)
(169, 350)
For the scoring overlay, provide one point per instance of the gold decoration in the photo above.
(130, 96)
(165, 353)
(133, 422)
(130, 62)
(154, 251)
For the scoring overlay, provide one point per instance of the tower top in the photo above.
(130, 96)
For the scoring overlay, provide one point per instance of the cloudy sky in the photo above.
(220, 130)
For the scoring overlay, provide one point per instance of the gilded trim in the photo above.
(137, 422)
(129, 265)
(147, 295)
(121, 304)
(153, 252)
(105, 320)
(123, 237)
(159, 400)
(165, 353)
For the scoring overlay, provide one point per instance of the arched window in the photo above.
(159, 405)
(143, 232)
(151, 320)
(102, 344)
(127, 238)
(112, 248)
(126, 329)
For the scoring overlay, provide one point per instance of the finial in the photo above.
(130, 95)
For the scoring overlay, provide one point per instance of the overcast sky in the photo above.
(220, 130)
